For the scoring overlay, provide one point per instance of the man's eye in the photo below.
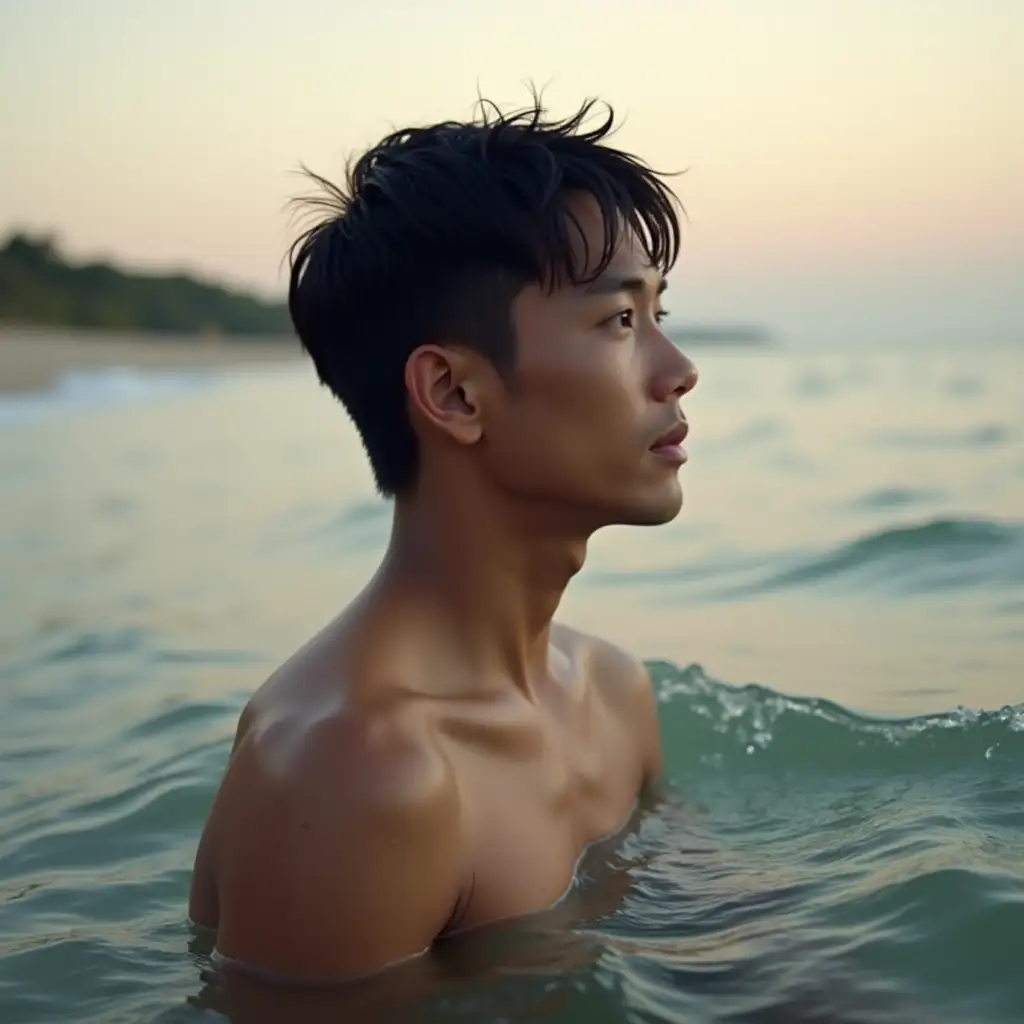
(626, 318)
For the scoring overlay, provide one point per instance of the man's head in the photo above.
(484, 298)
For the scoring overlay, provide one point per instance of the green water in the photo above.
(843, 841)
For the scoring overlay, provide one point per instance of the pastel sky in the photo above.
(853, 162)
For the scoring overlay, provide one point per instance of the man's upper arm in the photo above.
(343, 867)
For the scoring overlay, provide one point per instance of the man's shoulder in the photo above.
(623, 684)
(334, 747)
(341, 813)
(608, 665)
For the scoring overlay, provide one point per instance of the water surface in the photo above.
(835, 625)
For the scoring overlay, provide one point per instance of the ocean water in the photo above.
(835, 625)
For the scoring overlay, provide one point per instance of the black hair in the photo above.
(435, 231)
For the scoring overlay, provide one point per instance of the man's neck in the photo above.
(495, 572)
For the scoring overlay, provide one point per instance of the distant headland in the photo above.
(743, 335)
(40, 288)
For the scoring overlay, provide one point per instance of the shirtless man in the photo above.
(485, 299)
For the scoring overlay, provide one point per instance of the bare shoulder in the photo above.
(623, 683)
(335, 750)
(621, 674)
(320, 734)
(337, 847)
(332, 724)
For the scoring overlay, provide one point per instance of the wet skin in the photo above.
(438, 757)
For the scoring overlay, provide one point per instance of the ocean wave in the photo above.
(937, 554)
(893, 497)
(809, 863)
(756, 728)
(85, 390)
(984, 436)
(818, 864)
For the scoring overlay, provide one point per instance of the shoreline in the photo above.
(33, 359)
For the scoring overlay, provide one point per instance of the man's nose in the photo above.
(677, 375)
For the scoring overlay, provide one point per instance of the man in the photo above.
(485, 299)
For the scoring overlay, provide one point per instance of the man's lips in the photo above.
(670, 444)
(673, 437)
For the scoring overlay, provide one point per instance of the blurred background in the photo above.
(183, 505)
(855, 165)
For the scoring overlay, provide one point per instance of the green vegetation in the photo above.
(38, 287)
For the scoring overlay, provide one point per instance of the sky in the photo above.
(850, 166)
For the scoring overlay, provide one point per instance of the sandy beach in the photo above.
(32, 359)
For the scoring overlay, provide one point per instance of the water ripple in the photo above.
(814, 865)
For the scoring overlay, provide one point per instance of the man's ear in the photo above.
(444, 391)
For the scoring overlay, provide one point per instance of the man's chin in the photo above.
(652, 509)
(656, 517)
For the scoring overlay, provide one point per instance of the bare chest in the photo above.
(532, 812)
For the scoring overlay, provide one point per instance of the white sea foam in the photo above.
(84, 390)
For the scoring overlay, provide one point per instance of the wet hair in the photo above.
(432, 235)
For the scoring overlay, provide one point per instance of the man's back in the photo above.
(363, 817)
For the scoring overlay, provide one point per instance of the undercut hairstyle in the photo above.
(434, 232)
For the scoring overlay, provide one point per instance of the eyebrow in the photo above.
(612, 285)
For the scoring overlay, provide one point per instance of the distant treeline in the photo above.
(39, 287)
